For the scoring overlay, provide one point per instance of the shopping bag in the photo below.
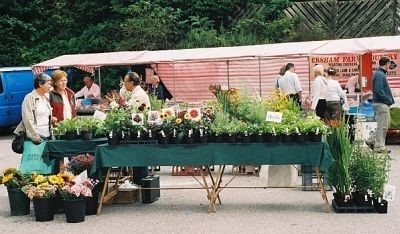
(32, 160)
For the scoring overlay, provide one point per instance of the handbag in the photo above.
(17, 144)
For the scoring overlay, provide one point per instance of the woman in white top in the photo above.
(36, 111)
(319, 92)
(334, 95)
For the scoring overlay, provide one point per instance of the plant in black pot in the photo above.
(69, 128)
(362, 169)
(42, 191)
(314, 128)
(338, 175)
(114, 124)
(380, 177)
(218, 126)
(14, 180)
(88, 127)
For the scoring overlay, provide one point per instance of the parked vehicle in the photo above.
(15, 83)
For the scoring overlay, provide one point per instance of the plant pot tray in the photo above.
(352, 209)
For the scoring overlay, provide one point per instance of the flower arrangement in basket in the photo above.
(14, 179)
(42, 186)
(80, 163)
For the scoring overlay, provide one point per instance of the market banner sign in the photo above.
(347, 65)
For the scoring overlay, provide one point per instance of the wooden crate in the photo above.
(188, 171)
(127, 196)
(246, 169)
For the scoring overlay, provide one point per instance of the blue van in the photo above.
(15, 83)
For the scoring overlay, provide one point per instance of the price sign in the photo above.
(274, 117)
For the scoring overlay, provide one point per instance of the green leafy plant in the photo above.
(339, 145)
(88, 124)
(369, 170)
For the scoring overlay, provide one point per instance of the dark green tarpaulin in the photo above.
(309, 154)
(64, 148)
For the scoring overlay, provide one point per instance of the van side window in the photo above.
(1, 85)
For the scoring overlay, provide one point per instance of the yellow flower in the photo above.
(66, 176)
(11, 171)
(186, 116)
(178, 121)
(7, 178)
(53, 179)
(40, 179)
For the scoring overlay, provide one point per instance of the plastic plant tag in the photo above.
(389, 192)
(274, 117)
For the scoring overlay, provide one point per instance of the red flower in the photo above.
(194, 114)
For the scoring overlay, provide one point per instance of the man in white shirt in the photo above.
(290, 84)
(90, 90)
(134, 95)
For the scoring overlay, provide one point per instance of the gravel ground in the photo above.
(185, 211)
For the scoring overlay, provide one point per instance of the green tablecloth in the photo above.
(309, 154)
(64, 148)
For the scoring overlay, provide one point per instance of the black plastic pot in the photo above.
(246, 138)
(315, 137)
(163, 140)
(231, 138)
(19, 202)
(173, 140)
(75, 210)
(70, 136)
(87, 135)
(286, 138)
(219, 138)
(114, 139)
(273, 138)
(189, 140)
(43, 208)
(259, 138)
(341, 201)
(300, 138)
(202, 139)
(359, 199)
(380, 207)
(93, 202)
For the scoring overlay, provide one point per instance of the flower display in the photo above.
(80, 163)
(78, 188)
(13, 178)
(41, 187)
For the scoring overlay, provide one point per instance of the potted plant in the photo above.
(114, 124)
(313, 127)
(87, 127)
(68, 127)
(218, 128)
(42, 191)
(14, 180)
(380, 176)
(73, 193)
(338, 143)
(362, 169)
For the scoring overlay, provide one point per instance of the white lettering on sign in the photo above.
(274, 117)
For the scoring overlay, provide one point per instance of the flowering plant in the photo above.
(77, 188)
(80, 163)
(13, 178)
(42, 186)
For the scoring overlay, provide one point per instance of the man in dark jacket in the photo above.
(382, 100)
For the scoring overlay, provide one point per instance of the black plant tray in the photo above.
(352, 209)
(137, 142)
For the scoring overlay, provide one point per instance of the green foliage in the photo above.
(67, 125)
(339, 145)
(369, 170)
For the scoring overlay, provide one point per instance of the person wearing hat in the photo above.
(36, 111)
(334, 95)
(62, 99)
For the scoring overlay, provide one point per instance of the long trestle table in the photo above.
(309, 154)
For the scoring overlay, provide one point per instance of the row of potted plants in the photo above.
(358, 174)
(50, 192)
